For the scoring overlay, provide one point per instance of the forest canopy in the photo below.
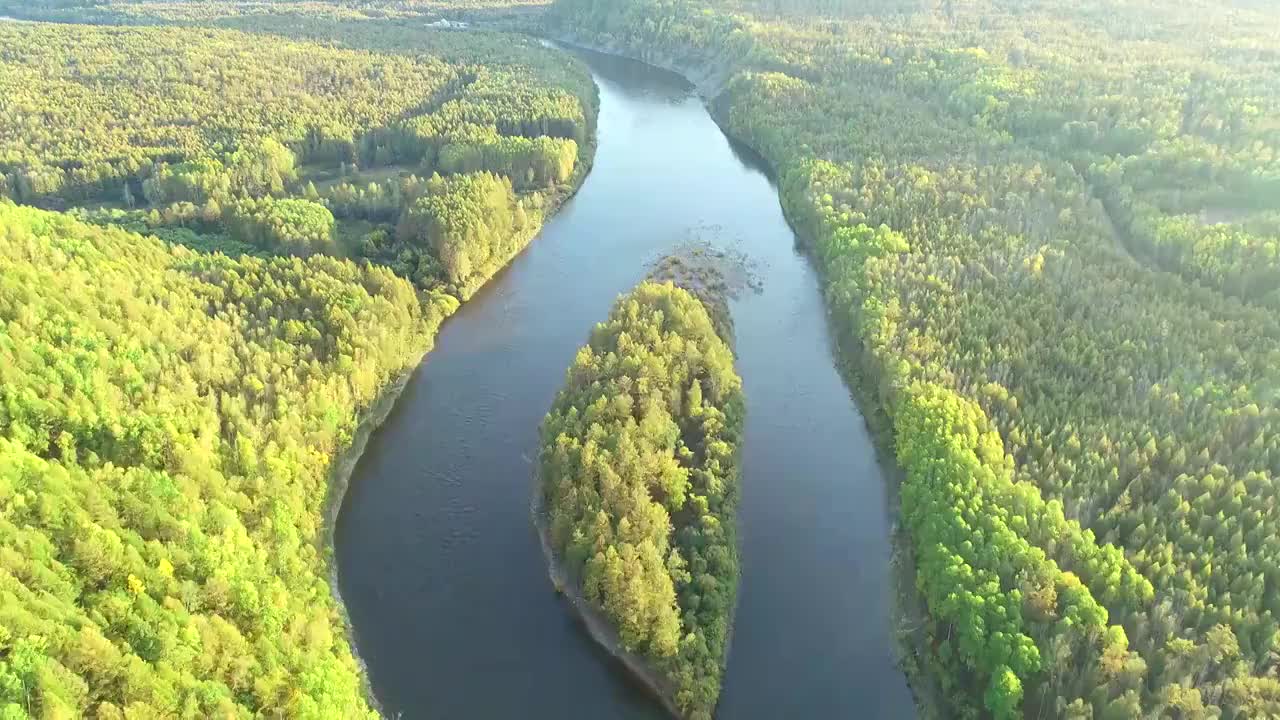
(639, 476)
(167, 419)
(229, 140)
(86, 108)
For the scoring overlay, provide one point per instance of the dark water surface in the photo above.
(439, 564)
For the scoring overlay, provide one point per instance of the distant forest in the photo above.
(220, 140)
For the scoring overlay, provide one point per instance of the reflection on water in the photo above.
(439, 564)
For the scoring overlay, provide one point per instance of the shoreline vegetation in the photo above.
(636, 494)
(300, 334)
(913, 646)
(1031, 512)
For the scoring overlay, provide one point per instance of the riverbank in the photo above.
(554, 202)
(341, 469)
(910, 615)
(596, 624)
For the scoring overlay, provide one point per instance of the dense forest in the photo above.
(227, 138)
(639, 476)
(263, 232)
(167, 418)
(1048, 234)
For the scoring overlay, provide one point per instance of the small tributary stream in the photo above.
(439, 564)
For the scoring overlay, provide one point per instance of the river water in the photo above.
(439, 564)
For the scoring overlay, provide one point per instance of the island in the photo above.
(638, 491)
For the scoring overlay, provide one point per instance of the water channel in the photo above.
(439, 564)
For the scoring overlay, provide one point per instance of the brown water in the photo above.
(439, 564)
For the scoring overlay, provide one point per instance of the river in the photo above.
(439, 564)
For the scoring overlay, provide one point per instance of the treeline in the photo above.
(167, 420)
(127, 12)
(993, 191)
(445, 233)
(530, 164)
(1222, 241)
(639, 475)
(468, 226)
(259, 167)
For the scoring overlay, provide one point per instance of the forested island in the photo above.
(1048, 234)
(261, 235)
(639, 486)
